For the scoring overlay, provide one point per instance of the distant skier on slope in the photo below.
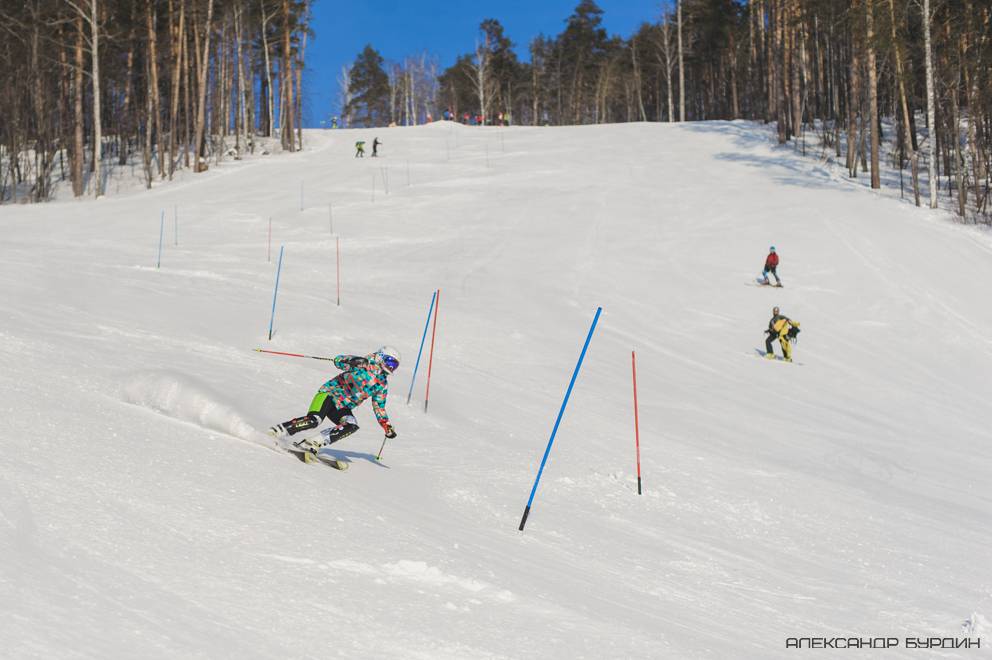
(361, 378)
(375, 147)
(771, 266)
(785, 330)
(360, 149)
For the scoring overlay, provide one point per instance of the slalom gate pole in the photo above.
(337, 243)
(430, 360)
(161, 234)
(421, 350)
(312, 357)
(568, 393)
(379, 455)
(275, 292)
(637, 432)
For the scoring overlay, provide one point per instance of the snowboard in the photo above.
(761, 354)
(308, 454)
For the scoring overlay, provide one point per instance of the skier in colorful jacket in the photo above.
(771, 266)
(783, 329)
(361, 378)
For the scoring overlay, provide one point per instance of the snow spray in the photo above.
(419, 352)
(275, 292)
(430, 360)
(182, 396)
(561, 411)
(637, 433)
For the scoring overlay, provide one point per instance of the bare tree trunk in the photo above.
(150, 20)
(781, 72)
(904, 106)
(931, 121)
(795, 59)
(872, 92)
(78, 137)
(97, 132)
(681, 66)
(637, 78)
(286, 77)
(299, 92)
(124, 114)
(853, 105)
(178, 38)
(201, 105)
(270, 107)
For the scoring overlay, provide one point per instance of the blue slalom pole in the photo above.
(568, 393)
(161, 235)
(422, 339)
(275, 292)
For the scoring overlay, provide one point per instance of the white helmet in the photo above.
(390, 358)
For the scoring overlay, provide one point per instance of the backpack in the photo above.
(793, 334)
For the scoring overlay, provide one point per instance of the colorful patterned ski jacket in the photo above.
(361, 378)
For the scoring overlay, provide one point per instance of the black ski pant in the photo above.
(322, 407)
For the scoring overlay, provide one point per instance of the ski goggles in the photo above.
(390, 362)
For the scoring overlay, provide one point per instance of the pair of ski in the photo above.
(763, 282)
(308, 451)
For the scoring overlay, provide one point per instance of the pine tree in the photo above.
(369, 89)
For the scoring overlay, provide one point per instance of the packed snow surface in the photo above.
(144, 514)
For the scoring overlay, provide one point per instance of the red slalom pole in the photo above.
(312, 357)
(337, 242)
(637, 432)
(430, 360)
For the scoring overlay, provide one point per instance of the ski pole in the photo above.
(312, 357)
(379, 455)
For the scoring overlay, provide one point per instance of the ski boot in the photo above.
(294, 426)
(347, 426)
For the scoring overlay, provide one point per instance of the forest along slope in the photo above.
(143, 514)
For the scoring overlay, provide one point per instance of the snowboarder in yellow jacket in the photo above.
(784, 329)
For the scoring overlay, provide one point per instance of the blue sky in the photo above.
(397, 28)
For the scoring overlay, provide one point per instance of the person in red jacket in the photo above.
(771, 266)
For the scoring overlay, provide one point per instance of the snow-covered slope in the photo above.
(142, 515)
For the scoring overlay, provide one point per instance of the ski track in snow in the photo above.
(848, 497)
